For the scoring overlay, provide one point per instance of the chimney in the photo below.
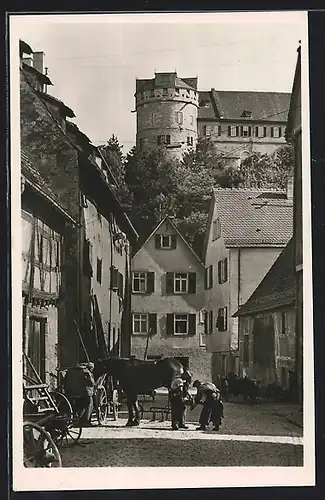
(290, 188)
(38, 61)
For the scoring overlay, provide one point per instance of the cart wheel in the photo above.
(39, 448)
(71, 432)
(101, 404)
(63, 405)
(115, 404)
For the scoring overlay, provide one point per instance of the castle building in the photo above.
(167, 112)
(172, 114)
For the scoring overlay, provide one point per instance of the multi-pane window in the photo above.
(208, 277)
(180, 324)
(139, 282)
(216, 229)
(276, 132)
(232, 131)
(221, 323)
(216, 130)
(165, 241)
(180, 282)
(143, 282)
(208, 321)
(140, 323)
(223, 270)
(246, 131)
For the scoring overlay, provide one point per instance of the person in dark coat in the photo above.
(209, 396)
(179, 398)
(79, 385)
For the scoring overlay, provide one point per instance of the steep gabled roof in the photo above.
(254, 217)
(230, 105)
(39, 185)
(176, 230)
(277, 289)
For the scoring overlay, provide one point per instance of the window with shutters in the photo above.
(190, 141)
(208, 277)
(232, 131)
(180, 324)
(221, 323)
(216, 229)
(223, 270)
(180, 282)
(140, 324)
(120, 284)
(276, 132)
(245, 131)
(202, 341)
(216, 130)
(143, 282)
(165, 241)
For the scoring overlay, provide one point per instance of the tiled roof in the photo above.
(277, 289)
(268, 106)
(254, 217)
(149, 84)
(35, 179)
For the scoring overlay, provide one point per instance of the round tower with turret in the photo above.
(167, 109)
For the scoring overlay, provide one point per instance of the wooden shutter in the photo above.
(150, 282)
(237, 131)
(158, 140)
(191, 282)
(192, 324)
(153, 323)
(173, 241)
(170, 324)
(226, 270)
(219, 271)
(219, 322)
(264, 131)
(205, 129)
(169, 283)
(157, 241)
(272, 132)
(120, 283)
(211, 275)
(206, 278)
(229, 130)
(225, 318)
(249, 131)
(219, 129)
(87, 268)
(256, 131)
(210, 321)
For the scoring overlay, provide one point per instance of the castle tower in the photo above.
(167, 110)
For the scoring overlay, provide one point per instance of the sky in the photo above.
(94, 60)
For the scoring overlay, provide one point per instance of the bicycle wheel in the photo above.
(39, 448)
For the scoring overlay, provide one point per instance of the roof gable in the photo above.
(277, 288)
(254, 217)
(172, 225)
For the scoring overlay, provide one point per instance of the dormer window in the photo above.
(246, 114)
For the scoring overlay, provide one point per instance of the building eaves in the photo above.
(53, 100)
(40, 77)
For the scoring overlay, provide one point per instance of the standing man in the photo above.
(177, 397)
(79, 385)
(212, 411)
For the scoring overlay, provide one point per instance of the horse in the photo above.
(136, 377)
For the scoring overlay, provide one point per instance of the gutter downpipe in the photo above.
(238, 293)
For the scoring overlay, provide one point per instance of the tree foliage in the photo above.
(156, 185)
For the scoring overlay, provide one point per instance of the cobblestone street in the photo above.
(251, 435)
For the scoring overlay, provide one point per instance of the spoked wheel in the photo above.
(101, 404)
(39, 448)
(115, 404)
(64, 428)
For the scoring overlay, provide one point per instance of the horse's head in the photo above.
(101, 366)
